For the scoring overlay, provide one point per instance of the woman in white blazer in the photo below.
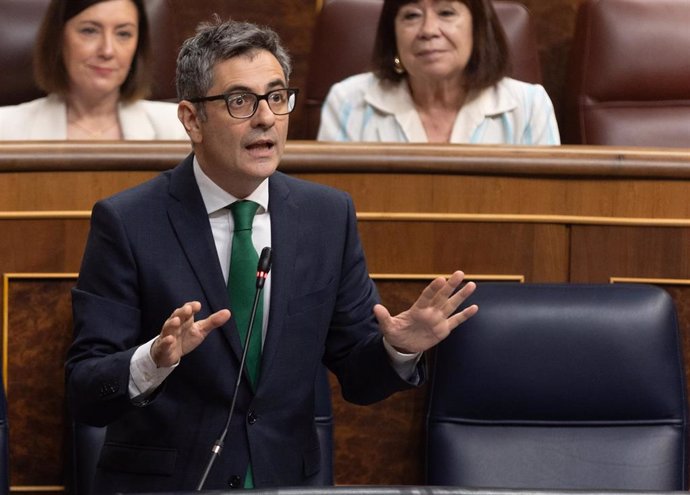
(439, 76)
(93, 60)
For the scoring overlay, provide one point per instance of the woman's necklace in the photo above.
(111, 131)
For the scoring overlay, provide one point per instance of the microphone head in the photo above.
(265, 260)
(263, 268)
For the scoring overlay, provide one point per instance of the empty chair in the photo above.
(629, 74)
(561, 387)
(343, 43)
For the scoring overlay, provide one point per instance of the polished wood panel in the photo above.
(38, 333)
(579, 214)
(370, 444)
(433, 247)
(603, 253)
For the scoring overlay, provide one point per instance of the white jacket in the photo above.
(511, 112)
(46, 119)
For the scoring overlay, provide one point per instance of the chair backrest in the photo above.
(561, 387)
(19, 23)
(343, 43)
(629, 74)
(164, 36)
(323, 416)
(86, 442)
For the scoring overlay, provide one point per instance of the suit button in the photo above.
(252, 417)
(234, 481)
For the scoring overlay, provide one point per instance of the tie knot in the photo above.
(243, 214)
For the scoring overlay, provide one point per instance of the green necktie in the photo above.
(242, 284)
(242, 289)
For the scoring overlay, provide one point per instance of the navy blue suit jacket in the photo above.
(150, 250)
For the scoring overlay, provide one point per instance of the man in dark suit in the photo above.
(156, 350)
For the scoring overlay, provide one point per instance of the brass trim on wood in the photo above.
(655, 281)
(379, 216)
(432, 276)
(520, 218)
(45, 215)
(37, 488)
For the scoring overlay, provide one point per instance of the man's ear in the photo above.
(189, 116)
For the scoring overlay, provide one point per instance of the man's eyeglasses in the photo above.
(243, 105)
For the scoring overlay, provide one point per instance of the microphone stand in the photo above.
(261, 275)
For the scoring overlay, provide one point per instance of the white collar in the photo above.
(216, 198)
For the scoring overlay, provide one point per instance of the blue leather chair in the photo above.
(561, 387)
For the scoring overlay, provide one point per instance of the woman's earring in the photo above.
(398, 66)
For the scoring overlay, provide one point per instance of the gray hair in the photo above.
(218, 41)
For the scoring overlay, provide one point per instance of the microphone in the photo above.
(262, 270)
(263, 267)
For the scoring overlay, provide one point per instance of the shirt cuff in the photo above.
(405, 365)
(144, 376)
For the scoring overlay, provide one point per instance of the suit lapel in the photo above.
(189, 219)
(284, 241)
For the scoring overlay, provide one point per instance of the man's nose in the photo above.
(264, 116)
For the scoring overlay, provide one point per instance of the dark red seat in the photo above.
(629, 74)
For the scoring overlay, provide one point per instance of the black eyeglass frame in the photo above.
(291, 92)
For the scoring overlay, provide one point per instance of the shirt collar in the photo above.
(216, 199)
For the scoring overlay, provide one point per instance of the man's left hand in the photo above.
(431, 318)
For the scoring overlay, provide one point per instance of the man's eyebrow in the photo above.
(238, 88)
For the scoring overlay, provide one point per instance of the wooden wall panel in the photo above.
(38, 260)
(42, 244)
(433, 247)
(38, 332)
(603, 253)
(382, 443)
(48, 191)
(490, 193)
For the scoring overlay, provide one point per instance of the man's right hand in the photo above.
(180, 334)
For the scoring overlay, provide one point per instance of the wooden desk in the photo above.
(579, 214)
